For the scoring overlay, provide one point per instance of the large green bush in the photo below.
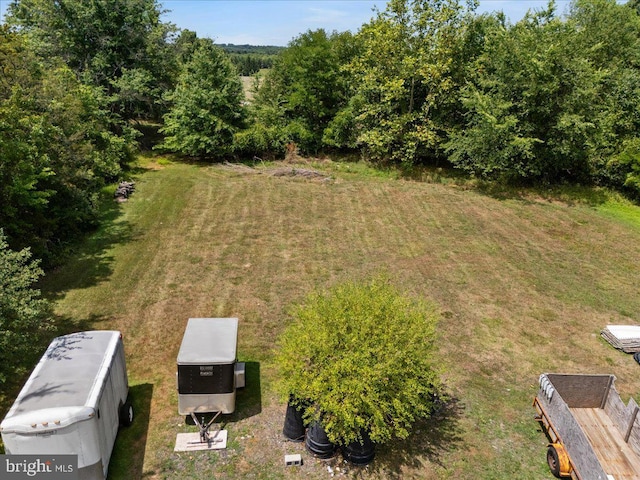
(361, 358)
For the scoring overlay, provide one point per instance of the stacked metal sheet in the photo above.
(623, 337)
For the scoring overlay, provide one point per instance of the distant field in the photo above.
(247, 86)
(248, 83)
(524, 284)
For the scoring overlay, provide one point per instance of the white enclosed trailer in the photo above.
(73, 402)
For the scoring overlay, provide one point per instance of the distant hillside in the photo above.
(250, 59)
(251, 49)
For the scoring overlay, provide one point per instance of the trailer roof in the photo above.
(209, 341)
(68, 372)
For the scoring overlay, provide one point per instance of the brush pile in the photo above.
(124, 190)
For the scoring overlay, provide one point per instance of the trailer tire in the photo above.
(558, 461)
(126, 414)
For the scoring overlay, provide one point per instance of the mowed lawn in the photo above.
(524, 285)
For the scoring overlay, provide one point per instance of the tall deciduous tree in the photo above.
(555, 99)
(302, 92)
(529, 108)
(403, 78)
(608, 36)
(119, 45)
(206, 106)
(56, 148)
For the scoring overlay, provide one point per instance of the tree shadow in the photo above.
(65, 325)
(565, 193)
(431, 439)
(127, 460)
(90, 263)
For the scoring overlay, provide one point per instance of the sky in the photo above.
(276, 22)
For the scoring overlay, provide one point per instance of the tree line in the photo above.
(250, 59)
(551, 98)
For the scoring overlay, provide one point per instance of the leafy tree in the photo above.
(206, 106)
(361, 358)
(404, 78)
(24, 315)
(530, 109)
(248, 64)
(56, 147)
(608, 35)
(119, 45)
(302, 92)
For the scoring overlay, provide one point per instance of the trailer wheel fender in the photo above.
(558, 460)
(126, 414)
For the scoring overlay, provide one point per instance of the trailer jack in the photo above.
(204, 439)
(204, 428)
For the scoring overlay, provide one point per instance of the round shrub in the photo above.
(361, 358)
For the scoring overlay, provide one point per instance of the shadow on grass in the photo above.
(90, 263)
(431, 438)
(568, 194)
(249, 398)
(66, 325)
(128, 453)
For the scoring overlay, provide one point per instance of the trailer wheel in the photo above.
(558, 461)
(126, 414)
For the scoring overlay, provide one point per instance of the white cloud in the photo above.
(325, 16)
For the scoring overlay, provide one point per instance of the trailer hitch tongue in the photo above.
(204, 428)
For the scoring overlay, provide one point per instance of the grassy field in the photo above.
(524, 281)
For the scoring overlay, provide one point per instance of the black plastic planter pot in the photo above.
(293, 424)
(359, 453)
(318, 443)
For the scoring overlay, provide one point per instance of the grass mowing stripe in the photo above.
(524, 286)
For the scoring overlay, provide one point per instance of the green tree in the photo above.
(361, 358)
(302, 92)
(608, 35)
(119, 45)
(206, 106)
(531, 107)
(404, 78)
(24, 315)
(56, 147)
